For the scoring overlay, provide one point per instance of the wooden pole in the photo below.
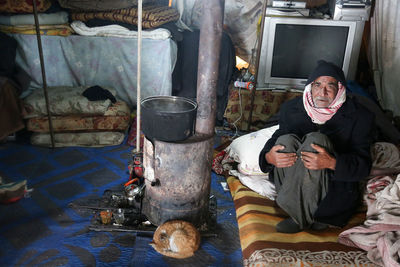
(253, 92)
(139, 64)
(39, 41)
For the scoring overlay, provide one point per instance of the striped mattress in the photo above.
(263, 246)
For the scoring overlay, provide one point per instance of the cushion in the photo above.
(94, 139)
(64, 101)
(23, 6)
(246, 149)
(76, 123)
(258, 183)
(116, 118)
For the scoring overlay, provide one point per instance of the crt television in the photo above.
(292, 46)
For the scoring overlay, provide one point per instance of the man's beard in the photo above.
(326, 100)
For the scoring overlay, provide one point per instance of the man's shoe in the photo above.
(317, 226)
(288, 226)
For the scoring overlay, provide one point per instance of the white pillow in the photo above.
(259, 184)
(246, 149)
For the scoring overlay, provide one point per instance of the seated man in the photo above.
(319, 153)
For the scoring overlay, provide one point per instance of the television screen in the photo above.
(291, 47)
(297, 48)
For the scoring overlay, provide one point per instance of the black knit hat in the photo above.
(327, 69)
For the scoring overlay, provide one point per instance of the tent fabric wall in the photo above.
(385, 53)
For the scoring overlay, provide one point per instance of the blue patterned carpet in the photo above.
(43, 231)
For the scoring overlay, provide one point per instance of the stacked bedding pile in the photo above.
(76, 120)
(17, 17)
(88, 42)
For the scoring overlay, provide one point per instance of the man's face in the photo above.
(324, 90)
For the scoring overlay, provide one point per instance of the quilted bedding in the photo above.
(64, 100)
(77, 123)
(74, 112)
(153, 16)
(76, 120)
(51, 30)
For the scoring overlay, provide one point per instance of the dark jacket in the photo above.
(350, 131)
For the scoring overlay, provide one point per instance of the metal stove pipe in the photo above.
(207, 74)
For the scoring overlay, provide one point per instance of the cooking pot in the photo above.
(168, 118)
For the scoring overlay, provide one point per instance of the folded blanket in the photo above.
(118, 31)
(380, 233)
(55, 30)
(386, 158)
(13, 6)
(28, 19)
(100, 5)
(152, 16)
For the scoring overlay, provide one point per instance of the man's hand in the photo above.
(280, 159)
(318, 161)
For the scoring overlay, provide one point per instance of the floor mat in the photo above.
(262, 246)
(43, 230)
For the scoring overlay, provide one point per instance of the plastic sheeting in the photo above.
(240, 21)
(110, 62)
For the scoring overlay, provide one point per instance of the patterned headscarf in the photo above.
(322, 115)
